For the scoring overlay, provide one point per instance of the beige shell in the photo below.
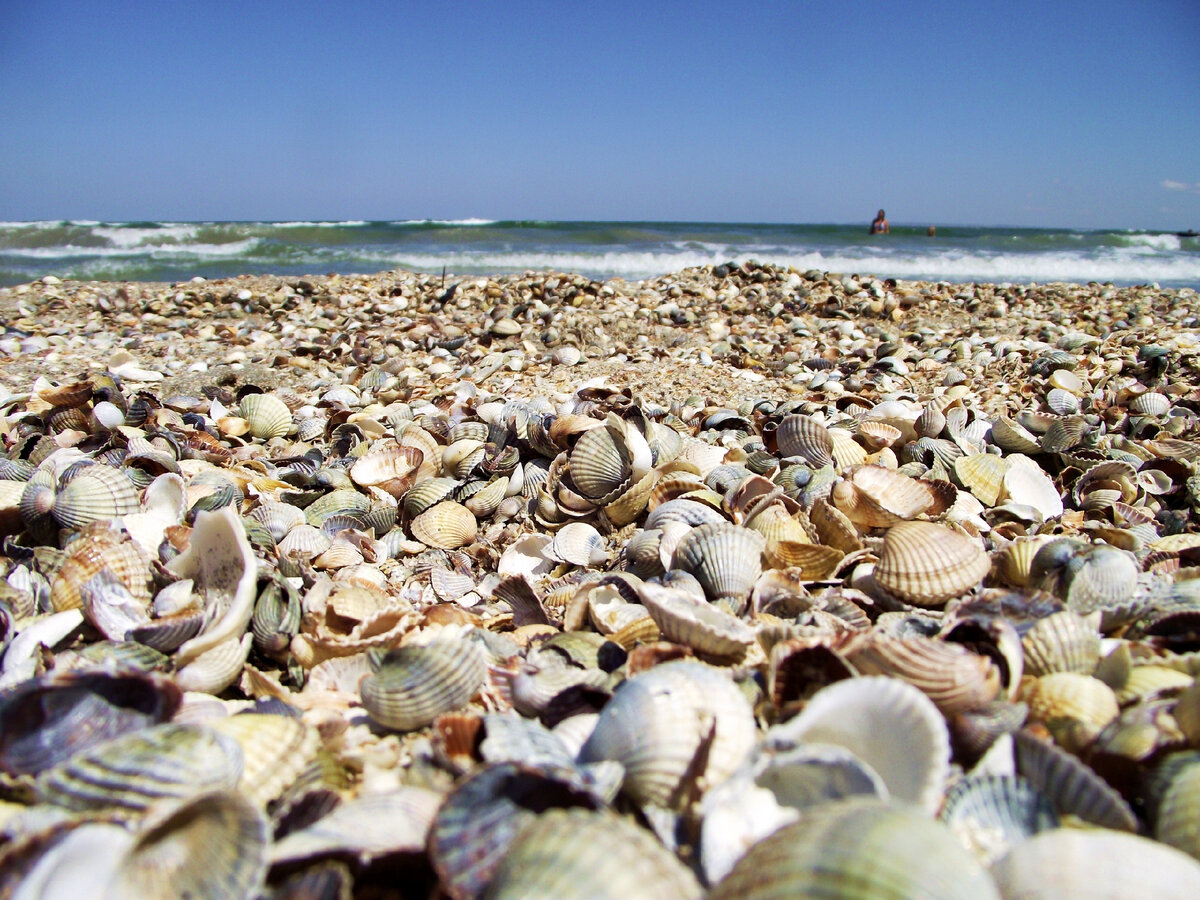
(815, 561)
(1151, 403)
(847, 452)
(392, 469)
(725, 558)
(1070, 862)
(267, 415)
(1062, 642)
(953, 677)
(94, 494)
(100, 553)
(834, 527)
(416, 684)
(685, 619)
(805, 437)
(579, 544)
(304, 542)
(279, 518)
(983, 475)
(275, 751)
(462, 456)
(1178, 821)
(1015, 560)
(928, 564)
(484, 502)
(875, 497)
(1073, 697)
(658, 721)
(446, 526)
(1013, 437)
(600, 464)
(878, 435)
(426, 493)
(629, 503)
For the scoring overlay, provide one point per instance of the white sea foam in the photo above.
(1153, 241)
(151, 251)
(349, 223)
(460, 222)
(143, 239)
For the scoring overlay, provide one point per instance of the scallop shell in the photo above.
(213, 845)
(888, 724)
(1073, 788)
(416, 684)
(600, 464)
(446, 526)
(1151, 403)
(858, 848)
(1095, 863)
(392, 469)
(726, 559)
(267, 415)
(927, 564)
(993, 813)
(275, 751)
(676, 728)
(578, 854)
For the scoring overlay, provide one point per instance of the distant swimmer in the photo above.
(931, 231)
(880, 225)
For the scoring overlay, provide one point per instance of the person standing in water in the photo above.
(880, 225)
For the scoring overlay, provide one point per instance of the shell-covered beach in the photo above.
(742, 581)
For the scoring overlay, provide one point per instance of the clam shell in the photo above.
(1151, 403)
(600, 464)
(275, 751)
(857, 848)
(1073, 788)
(266, 415)
(96, 493)
(676, 728)
(953, 677)
(804, 437)
(578, 854)
(340, 502)
(579, 544)
(1062, 642)
(426, 493)
(707, 629)
(1013, 437)
(416, 684)
(392, 469)
(1095, 863)
(446, 525)
(726, 559)
(102, 555)
(1026, 484)
(927, 564)
(1178, 820)
(134, 771)
(874, 497)
(213, 845)
(983, 475)
(279, 518)
(993, 813)
(888, 724)
(1071, 696)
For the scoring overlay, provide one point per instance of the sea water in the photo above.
(177, 251)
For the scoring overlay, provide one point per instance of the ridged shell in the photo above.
(1016, 560)
(101, 555)
(805, 437)
(275, 751)
(983, 475)
(96, 493)
(1069, 695)
(416, 684)
(1151, 403)
(600, 464)
(888, 724)
(726, 559)
(484, 502)
(707, 629)
(1178, 820)
(579, 544)
(1067, 862)
(1073, 788)
(953, 677)
(279, 518)
(578, 854)
(392, 469)
(341, 502)
(858, 848)
(446, 526)
(134, 771)
(875, 497)
(927, 564)
(1062, 642)
(659, 720)
(993, 813)
(267, 416)
(213, 845)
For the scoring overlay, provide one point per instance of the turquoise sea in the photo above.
(176, 251)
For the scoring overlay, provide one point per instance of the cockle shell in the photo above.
(875, 497)
(725, 558)
(685, 619)
(416, 684)
(657, 722)
(927, 564)
(805, 437)
(446, 525)
(267, 415)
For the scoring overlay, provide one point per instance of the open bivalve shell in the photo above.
(676, 728)
(416, 684)
(888, 724)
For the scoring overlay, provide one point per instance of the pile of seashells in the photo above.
(440, 615)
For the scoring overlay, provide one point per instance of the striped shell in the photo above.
(875, 497)
(805, 437)
(858, 848)
(267, 416)
(416, 684)
(446, 526)
(928, 564)
(707, 629)
(600, 464)
(726, 559)
(657, 721)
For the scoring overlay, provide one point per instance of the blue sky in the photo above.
(1074, 114)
